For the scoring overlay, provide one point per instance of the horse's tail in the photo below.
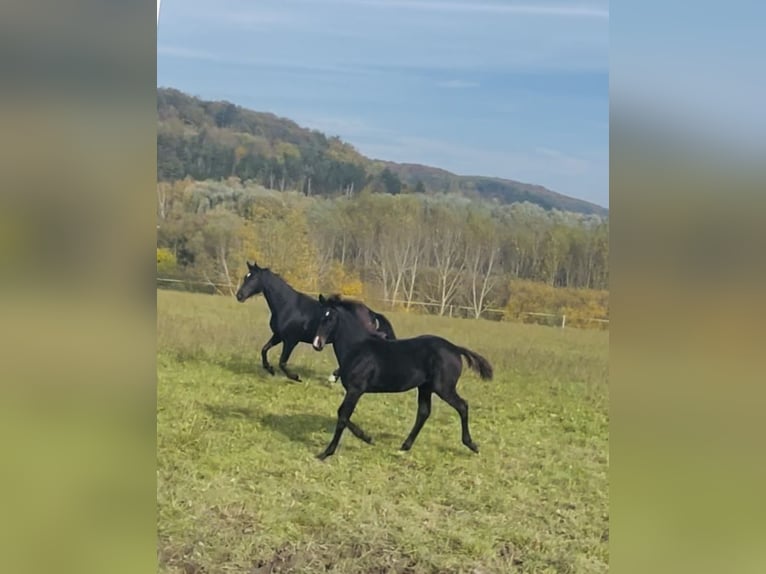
(477, 363)
(384, 325)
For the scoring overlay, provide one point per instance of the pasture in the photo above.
(239, 488)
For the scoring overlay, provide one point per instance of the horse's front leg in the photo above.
(287, 349)
(275, 340)
(344, 414)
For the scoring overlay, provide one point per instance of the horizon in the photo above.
(389, 97)
(403, 163)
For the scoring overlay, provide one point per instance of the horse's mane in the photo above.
(337, 300)
(378, 324)
(268, 270)
(277, 275)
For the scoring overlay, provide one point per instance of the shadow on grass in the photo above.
(297, 427)
(240, 365)
(232, 411)
(459, 450)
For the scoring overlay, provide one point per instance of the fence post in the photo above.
(563, 321)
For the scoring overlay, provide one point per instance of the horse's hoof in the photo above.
(322, 455)
(474, 447)
(270, 370)
(405, 447)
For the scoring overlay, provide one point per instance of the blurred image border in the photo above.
(77, 233)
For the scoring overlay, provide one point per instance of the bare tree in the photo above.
(482, 254)
(417, 252)
(446, 253)
(398, 244)
(163, 199)
(219, 242)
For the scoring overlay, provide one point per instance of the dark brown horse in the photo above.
(295, 315)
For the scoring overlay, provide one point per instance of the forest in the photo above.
(406, 249)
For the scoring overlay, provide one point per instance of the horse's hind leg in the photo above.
(287, 349)
(424, 410)
(458, 403)
(275, 340)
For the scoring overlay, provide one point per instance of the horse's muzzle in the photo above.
(318, 344)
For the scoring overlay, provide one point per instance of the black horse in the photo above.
(371, 365)
(295, 316)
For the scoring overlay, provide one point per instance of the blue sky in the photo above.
(477, 87)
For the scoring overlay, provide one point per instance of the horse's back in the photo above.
(429, 353)
(411, 360)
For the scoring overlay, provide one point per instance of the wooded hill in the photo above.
(216, 140)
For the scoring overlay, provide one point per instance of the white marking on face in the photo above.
(248, 276)
(327, 314)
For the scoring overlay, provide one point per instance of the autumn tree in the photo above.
(482, 254)
(220, 243)
(446, 250)
(446, 253)
(397, 242)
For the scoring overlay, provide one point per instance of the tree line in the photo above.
(444, 249)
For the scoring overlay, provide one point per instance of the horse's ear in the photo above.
(322, 300)
(252, 266)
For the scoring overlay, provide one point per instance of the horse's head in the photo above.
(328, 321)
(252, 283)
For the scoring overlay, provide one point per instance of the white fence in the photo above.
(449, 309)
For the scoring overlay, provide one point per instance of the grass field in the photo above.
(239, 488)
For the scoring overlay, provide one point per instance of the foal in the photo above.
(295, 315)
(369, 364)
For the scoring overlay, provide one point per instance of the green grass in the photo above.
(240, 489)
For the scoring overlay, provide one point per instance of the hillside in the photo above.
(502, 190)
(216, 140)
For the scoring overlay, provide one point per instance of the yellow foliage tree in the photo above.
(285, 246)
(581, 306)
(340, 280)
(166, 261)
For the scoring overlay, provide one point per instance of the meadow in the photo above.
(239, 488)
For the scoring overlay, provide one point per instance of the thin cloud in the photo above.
(188, 53)
(262, 20)
(552, 10)
(283, 65)
(458, 84)
(567, 164)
